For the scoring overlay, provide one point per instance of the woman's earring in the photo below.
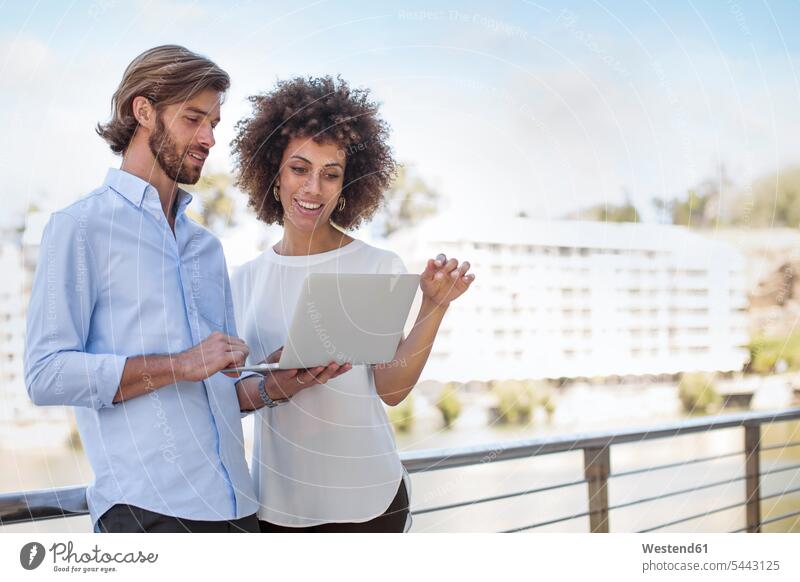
(341, 204)
(275, 193)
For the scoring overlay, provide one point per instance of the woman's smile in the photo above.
(307, 208)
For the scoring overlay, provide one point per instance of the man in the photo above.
(131, 319)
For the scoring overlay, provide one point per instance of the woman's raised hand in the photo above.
(444, 280)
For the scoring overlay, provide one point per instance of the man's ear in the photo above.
(144, 112)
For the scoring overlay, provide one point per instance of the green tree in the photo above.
(625, 212)
(774, 200)
(765, 352)
(543, 396)
(214, 192)
(449, 404)
(402, 415)
(515, 401)
(697, 392)
(703, 206)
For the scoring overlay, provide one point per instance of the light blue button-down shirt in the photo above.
(114, 282)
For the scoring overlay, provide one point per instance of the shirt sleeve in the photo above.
(58, 370)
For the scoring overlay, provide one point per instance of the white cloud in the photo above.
(506, 125)
(156, 15)
(23, 60)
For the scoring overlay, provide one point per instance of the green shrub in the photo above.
(542, 394)
(548, 403)
(697, 392)
(515, 401)
(449, 404)
(402, 415)
(766, 351)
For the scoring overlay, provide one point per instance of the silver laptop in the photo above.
(345, 318)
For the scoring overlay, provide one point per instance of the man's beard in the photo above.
(169, 156)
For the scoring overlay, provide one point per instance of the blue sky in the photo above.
(536, 106)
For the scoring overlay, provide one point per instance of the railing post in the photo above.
(752, 452)
(596, 467)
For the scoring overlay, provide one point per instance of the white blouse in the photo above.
(329, 454)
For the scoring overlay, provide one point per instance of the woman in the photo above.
(314, 158)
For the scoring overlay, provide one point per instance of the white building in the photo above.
(558, 299)
(12, 333)
(21, 422)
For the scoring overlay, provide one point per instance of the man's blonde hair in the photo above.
(165, 75)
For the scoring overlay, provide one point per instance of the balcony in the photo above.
(599, 477)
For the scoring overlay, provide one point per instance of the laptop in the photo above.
(355, 318)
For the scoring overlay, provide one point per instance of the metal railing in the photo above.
(71, 501)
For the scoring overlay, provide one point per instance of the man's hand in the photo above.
(217, 352)
(442, 281)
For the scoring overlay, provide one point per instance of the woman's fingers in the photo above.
(342, 369)
(443, 268)
(328, 372)
(450, 265)
(275, 356)
(309, 375)
(323, 376)
(295, 380)
(446, 269)
(331, 371)
(430, 269)
(461, 270)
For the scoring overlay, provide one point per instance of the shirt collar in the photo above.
(184, 198)
(134, 188)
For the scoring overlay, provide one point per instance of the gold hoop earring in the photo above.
(275, 193)
(341, 204)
